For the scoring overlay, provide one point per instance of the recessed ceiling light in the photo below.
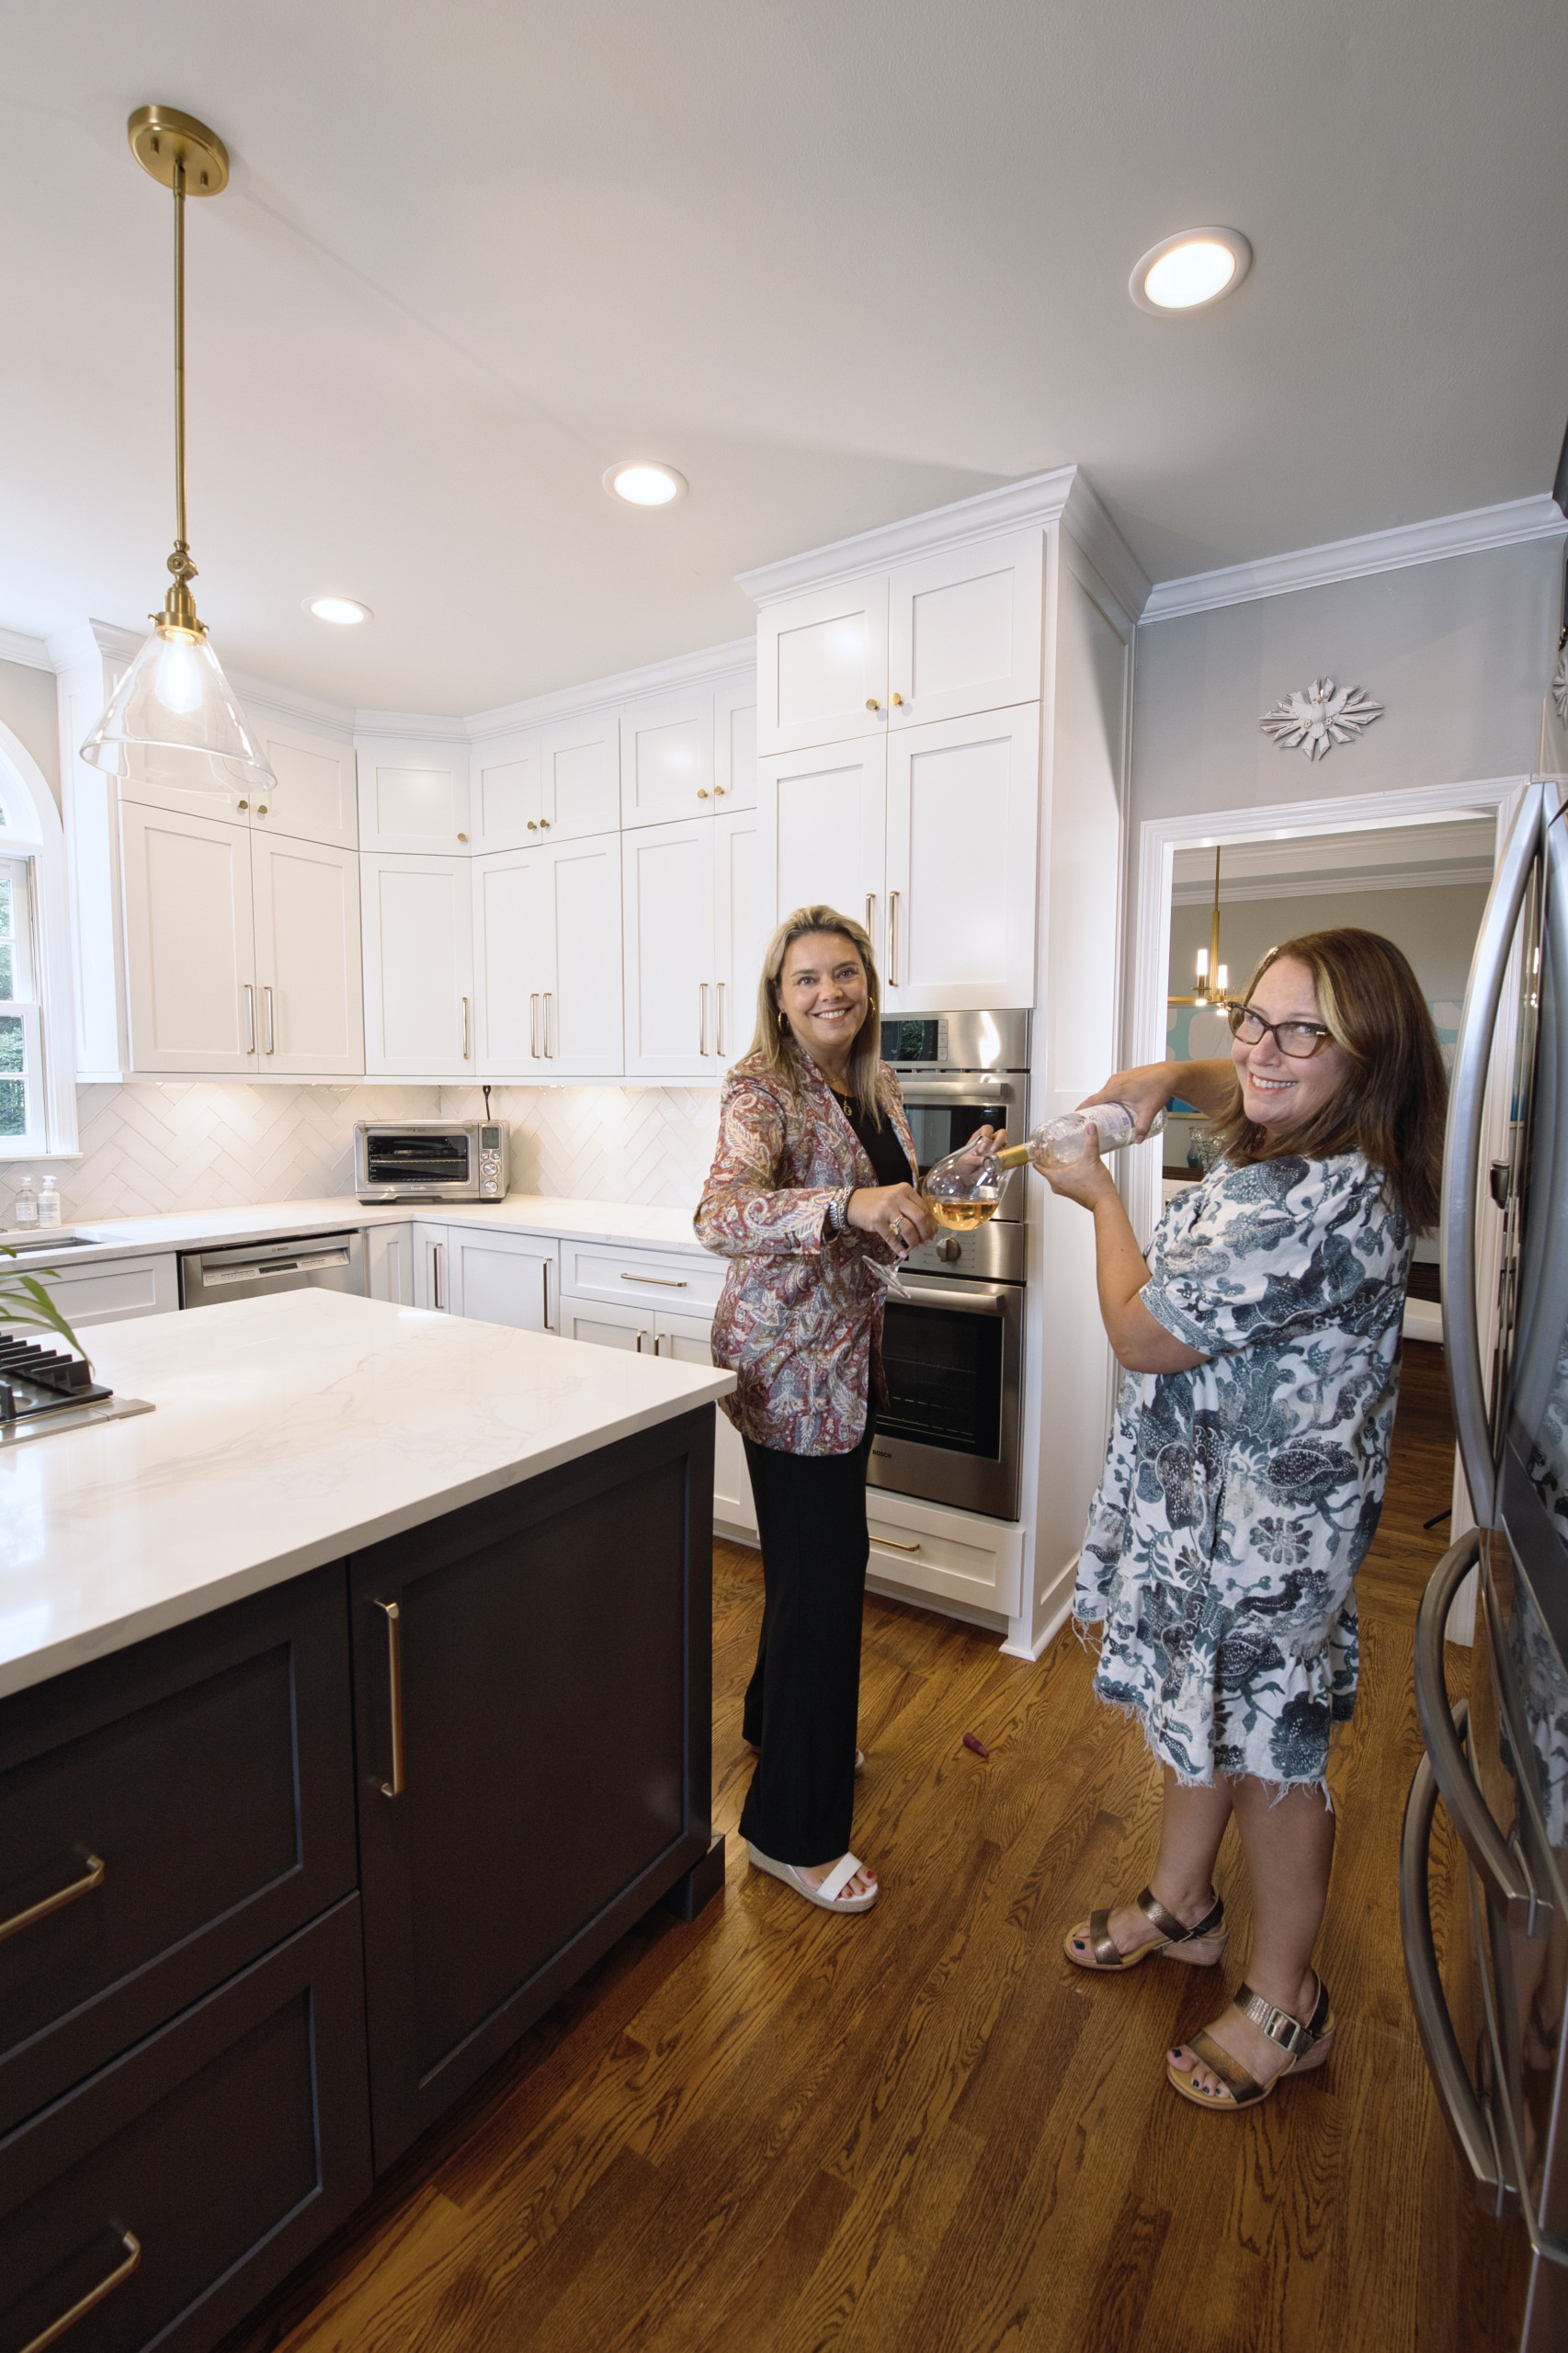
(1190, 271)
(345, 610)
(642, 484)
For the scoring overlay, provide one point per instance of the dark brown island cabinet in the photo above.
(278, 1885)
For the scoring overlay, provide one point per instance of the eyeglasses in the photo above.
(1299, 1040)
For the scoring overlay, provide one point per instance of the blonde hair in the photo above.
(773, 1043)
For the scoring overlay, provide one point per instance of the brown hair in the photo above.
(774, 1039)
(1393, 1103)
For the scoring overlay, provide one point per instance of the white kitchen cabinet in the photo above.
(666, 758)
(734, 744)
(418, 958)
(822, 666)
(962, 817)
(607, 1327)
(431, 1287)
(579, 764)
(308, 975)
(506, 794)
(501, 1279)
(823, 831)
(413, 794)
(389, 1258)
(695, 920)
(688, 1340)
(190, 958)
(109, 1291)
(315, 794)
(964, 630)
(547, 949)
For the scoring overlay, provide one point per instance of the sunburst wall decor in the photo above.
(1315, 719)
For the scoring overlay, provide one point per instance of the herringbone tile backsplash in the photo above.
(151, 1149)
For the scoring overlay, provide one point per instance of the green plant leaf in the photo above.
(25, 1302)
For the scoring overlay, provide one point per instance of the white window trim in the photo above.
(34, 833)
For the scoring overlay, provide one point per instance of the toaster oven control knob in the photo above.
(950, 1249)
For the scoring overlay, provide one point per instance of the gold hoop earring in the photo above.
(783, 1021)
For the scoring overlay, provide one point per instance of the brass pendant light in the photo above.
(173, 721)
(1213, 981)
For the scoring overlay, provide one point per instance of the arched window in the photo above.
(37, 1096)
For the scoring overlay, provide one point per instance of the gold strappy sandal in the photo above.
(1202, 1946)
(1307, 2042)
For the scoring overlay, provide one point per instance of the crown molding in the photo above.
(1329, 885)
(709, 665)
(409, 726)
(89, 640)
(290, 703)
(31, 651)
(1510, 525)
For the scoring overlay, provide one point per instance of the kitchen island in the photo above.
(352, 1703)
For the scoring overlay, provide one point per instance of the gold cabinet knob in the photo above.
(702, 793)
(463, 837)
(532, 827)
(871, 703)
(544, 825)
(243, 804)
(896, 700)
(720, 790)
(261, 808)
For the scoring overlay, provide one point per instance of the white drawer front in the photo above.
(955, 1559)
(641, 1279)
(110, 1292)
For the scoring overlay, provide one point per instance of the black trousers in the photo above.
(805, 1694)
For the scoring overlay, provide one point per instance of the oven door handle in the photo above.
(978, 1089)
(948, 1295)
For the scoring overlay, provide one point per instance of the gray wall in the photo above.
(27, 709)
(1460, 652)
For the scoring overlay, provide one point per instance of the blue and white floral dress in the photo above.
(1239, 1498)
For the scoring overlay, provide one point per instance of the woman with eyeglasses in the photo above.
(1245, 1470)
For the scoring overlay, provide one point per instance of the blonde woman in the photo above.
(812, 1187)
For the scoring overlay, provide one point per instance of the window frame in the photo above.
(31, 841)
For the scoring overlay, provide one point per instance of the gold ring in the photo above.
(895, 1225)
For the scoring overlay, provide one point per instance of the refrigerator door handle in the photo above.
(1461, 1153)
(1543, 1316)
(1500, 1867)
(1466, 2117)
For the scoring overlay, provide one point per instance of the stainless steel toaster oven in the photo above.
(430, 1160)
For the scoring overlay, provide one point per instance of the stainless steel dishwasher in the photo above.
(256, 1269)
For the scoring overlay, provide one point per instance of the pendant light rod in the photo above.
(180, 547)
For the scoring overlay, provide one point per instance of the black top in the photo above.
(882, 1147)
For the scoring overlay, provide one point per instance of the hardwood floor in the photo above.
(923, 2130)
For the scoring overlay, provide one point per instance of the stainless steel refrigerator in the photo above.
(1491, 2018)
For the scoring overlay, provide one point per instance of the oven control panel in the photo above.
(492, 1164)
(992, 1252)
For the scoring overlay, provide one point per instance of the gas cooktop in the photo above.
(42, 1388)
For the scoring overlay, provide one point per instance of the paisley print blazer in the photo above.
(799, 1318)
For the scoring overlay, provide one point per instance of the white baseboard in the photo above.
(1057, 1606)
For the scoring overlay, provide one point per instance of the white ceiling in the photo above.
(836, 262)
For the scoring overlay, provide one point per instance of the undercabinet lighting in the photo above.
(347, 611)
(642, 484)
(1190, 271)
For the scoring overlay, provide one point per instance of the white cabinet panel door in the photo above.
(511, 920)
(580, 1020)
(112, 1290)
(823, 818)
(432, 1287)
(418, 945)
(579, 777)
(189, 950)
(688, 1340)
(822, 666)
(389, 1255)
(307, 957)
(964, 630)
(735, 745)
(412, 796)
(667, 896)
(315, 796)
(963, 825)
(607, 1327)
(505, 793)
(666, 759)
(741, 928)
(501, 1279)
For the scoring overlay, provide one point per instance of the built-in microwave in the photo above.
(430, 1160)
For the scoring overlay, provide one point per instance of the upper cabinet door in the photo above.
(579, 777)
(964, 630)
(740, 929)
(821, 821)
(307, 958)
(735, 745)
(666, 759)
(581, 1016)
(316, 796)
(418, 940)
(507, 794)
(821, 667)
(963, 799)
(668, 896)
(189, 953)
(413, 796)
(511, 956)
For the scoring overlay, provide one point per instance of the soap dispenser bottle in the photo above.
(49, 1204)
(25, 1210)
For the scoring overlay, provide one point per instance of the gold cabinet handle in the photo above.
(84, 2304)
(267, 1015)
(94, 1876)
(663, 1281)
(250, 1017)
(641, 1337)
(893, 1545)
(395, 1787)
(871, 915)
(467, 1041)
(871, 703)
(892, 940)
(897, 702)
(719, 1017)
(533, 1027)
(702, 1017)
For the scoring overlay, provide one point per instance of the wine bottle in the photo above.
(965, 1188)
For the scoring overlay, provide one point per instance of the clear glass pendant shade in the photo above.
(174, 721)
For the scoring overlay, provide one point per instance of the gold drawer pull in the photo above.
(664, 1281)
(394, 1788)
(893, 1545)
(84, 2304)
(56, 1903)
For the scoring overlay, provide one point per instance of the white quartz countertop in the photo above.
(545, 1213)
(288, 1431)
